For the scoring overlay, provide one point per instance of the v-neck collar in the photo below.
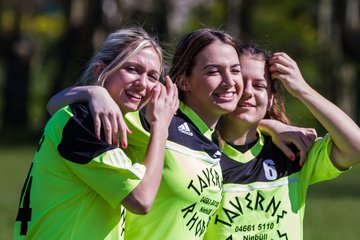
(249, 154)
(198, 122)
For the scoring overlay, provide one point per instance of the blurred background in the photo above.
(45, 44)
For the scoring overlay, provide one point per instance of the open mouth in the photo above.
(134, 95)
(226, 96)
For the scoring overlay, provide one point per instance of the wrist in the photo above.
(93, 91)
(267, 127)
(159, 130)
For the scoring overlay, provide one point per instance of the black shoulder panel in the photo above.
(79, 143)
(256, 170)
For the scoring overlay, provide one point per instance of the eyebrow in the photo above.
(260, 80)
(141, 66)
(219, 65)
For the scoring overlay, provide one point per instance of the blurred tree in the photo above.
(74, 47)
(16, 51)
(152, 15)
(339, 37)
(34, 45)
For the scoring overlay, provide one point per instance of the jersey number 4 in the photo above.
(24, 213)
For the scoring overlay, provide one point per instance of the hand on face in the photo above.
(162, 104)
(128, 88)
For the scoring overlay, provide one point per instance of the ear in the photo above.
(99, 68)
(183, 84)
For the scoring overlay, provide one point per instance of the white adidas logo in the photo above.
(217, 154)
(184, 128)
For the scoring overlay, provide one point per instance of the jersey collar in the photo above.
(198, 122)
(249, 154)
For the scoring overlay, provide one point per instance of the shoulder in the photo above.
(80, 110)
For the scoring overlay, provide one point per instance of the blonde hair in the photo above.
(114, 52)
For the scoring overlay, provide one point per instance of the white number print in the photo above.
(270, 170)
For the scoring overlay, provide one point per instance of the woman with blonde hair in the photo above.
(79, 186)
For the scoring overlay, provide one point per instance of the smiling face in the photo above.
(131, 84)
(215, 83)
(256, 98)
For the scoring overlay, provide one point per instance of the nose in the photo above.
(227, 80)
(142, 81)
(248, 89)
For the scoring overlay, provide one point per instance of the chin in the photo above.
(131, 107)
(227, 107)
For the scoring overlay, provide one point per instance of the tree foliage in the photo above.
(45, 44)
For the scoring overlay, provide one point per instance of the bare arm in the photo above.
(159, 112)
(103, 109)
(343, 130)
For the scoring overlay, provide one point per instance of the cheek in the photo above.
(150, 86)
(263, 99)
(240, 86)
(110, 86)
(115, 88)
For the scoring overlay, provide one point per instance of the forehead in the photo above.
(217, 52)
(148, 57)
(254, 67)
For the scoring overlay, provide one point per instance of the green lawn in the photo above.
(14, 165)
(333, 208)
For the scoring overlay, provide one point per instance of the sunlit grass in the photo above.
(15, 162)
(333, 208)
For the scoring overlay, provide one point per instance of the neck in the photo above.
(238, 134)
(124, 111)
(210, 119)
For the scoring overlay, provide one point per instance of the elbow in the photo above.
(49, 108)
(144, 205)
(140, 206)
(143, 209)
(355, 154)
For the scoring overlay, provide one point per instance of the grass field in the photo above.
(333, 208)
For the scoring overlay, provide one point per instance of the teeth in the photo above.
(226, 95)
(134, 94)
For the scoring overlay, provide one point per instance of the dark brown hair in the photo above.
(188, 48)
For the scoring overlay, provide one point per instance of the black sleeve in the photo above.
(79, 143)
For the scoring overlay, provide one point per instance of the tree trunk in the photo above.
(17, 52)
(75, 47)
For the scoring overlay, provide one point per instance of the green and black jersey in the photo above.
(190, 190)
(264, 192)
(76, 183)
